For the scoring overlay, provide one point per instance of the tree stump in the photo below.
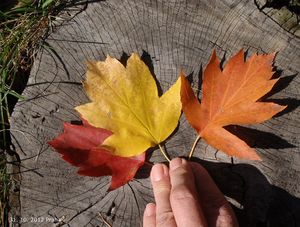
(170, 36)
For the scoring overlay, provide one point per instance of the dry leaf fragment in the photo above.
(230, 96)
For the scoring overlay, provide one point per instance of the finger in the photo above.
(161, 187)
(184, 200)
(149, 219)
(217, 210)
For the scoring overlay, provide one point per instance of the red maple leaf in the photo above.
(80, 145)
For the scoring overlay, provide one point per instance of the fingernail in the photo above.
(150, 209)
(175, 163)
(158, 172)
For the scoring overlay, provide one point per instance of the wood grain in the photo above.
(171, 35)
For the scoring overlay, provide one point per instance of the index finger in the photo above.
(184, 200)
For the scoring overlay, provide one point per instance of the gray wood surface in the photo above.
(170, 35)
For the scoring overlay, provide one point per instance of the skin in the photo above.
(186, 195)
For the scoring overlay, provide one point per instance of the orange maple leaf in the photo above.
(229, 97)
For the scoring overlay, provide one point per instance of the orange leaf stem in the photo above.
(194, 146)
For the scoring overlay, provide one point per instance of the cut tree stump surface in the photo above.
(170, 36)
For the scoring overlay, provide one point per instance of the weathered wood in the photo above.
(171, 35)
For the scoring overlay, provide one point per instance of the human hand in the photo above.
(186, 196)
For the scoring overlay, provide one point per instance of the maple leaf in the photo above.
(79, 145)
(126, 102)
(230, 96)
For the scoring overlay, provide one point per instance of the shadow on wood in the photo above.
(259, 139)
(255, 201)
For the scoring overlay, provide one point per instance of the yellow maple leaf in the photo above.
(126, 102)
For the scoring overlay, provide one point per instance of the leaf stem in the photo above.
(163, 152)
(194, 146)
(103, 219)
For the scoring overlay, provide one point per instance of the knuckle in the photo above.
(165, 218)
(162, 188)
(181, 193)
(226, 217)
(180, 171)
(223, 217)
(225, 220)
